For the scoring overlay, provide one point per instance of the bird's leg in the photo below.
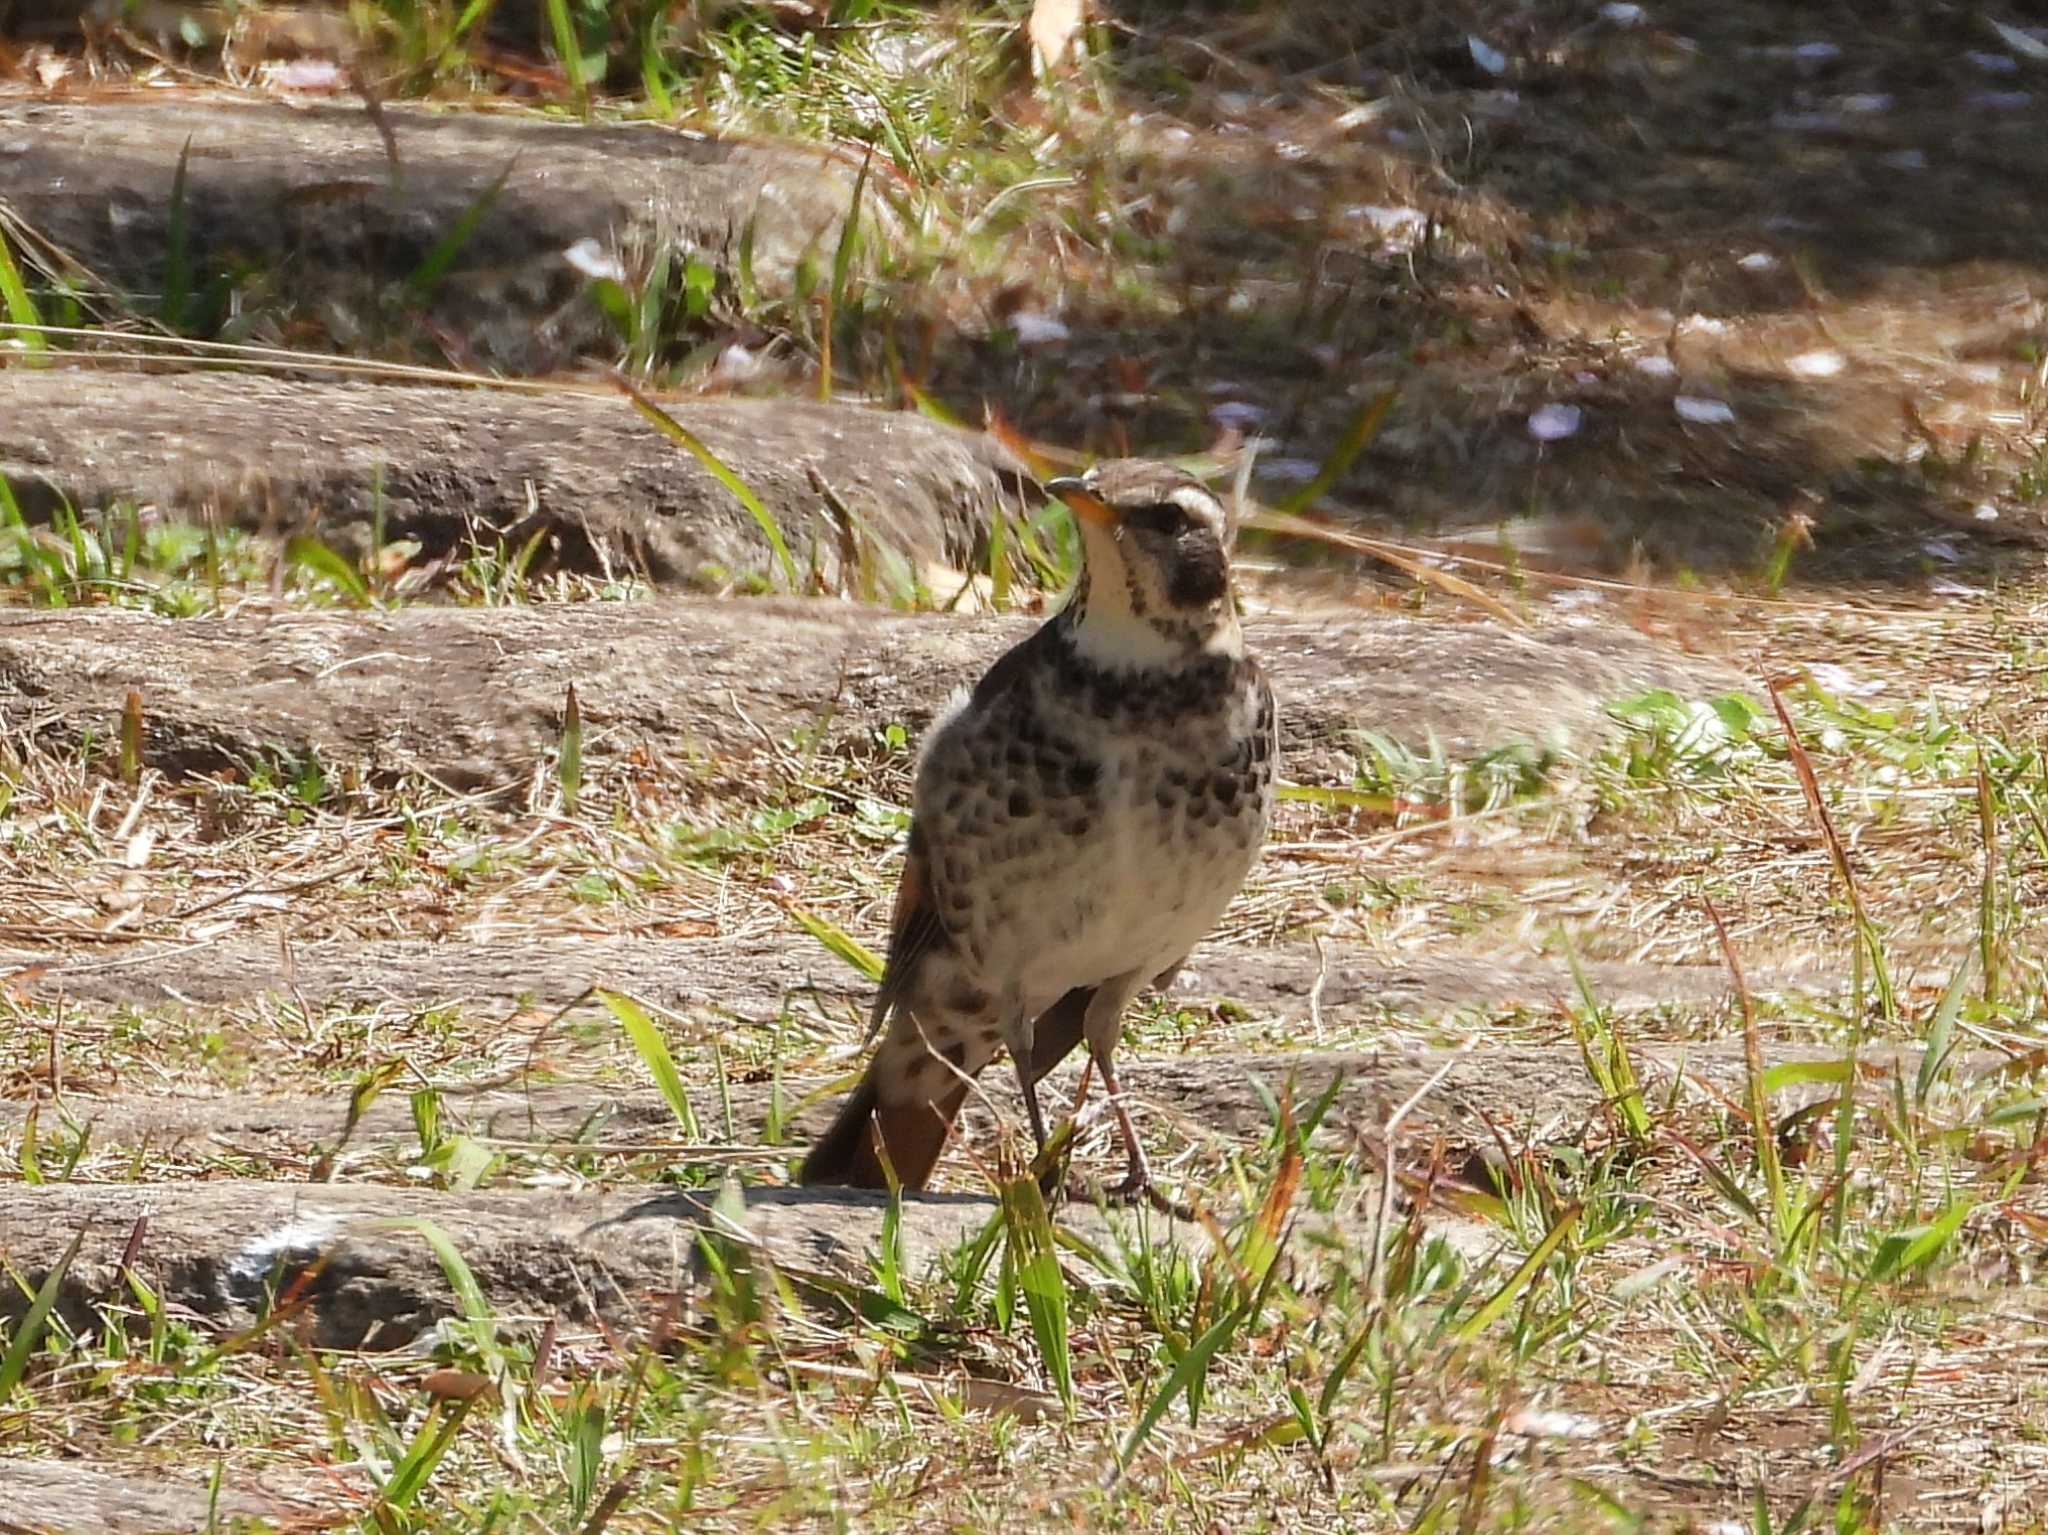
(1137, 1180)
(1103, 1027)
(1020, 1040)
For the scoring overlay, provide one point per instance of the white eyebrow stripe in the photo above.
(1198, 504)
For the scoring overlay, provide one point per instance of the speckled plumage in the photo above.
(1081, 820)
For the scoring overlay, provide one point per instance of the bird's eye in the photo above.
(1162, 517)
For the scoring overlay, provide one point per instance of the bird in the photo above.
(1081, 818)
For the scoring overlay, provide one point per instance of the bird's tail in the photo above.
(850, 1150)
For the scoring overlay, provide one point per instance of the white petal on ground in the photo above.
(1941, 549)
(1550, 1423)
(1815, 365)
(1702, 411)
(1840, 681)
(1486, 56)
(1994, 63)
(1239, 415)
(1657, 365)
(594, 261)
(738, 364)
(2027, 42)
(1553, 423)
(1758, 261)
(1622, 14)
(304, 75)
(1399, 227)
(1034, 329)
(1984, 511)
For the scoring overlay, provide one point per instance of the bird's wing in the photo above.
(913, 928)
(916, 926)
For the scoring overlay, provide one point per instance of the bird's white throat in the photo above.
(1112, 637)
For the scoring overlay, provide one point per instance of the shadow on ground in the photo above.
(1775, 271)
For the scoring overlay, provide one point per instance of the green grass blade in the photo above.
(1192, 1364)
(1357, 437)
(131, 738)
(1804, 1074)
(932, 408)
(1027, 1226)
(1934, 1050)
(689, 441)
(569, 51)
(998, 561)
(177, 294)
(1606, 1053)
(1987, 887)
(31, 1154)
(426, 277)
(653, 1052)
(849, 236)
(14, 1364)
(1521, 1278)
(889, 1249)
(308, 555)
(569, 765)
(1718, 1176)
(410, 1475)
(19, 307)
(1915, 1245)
(471, 15)
(476, 1309)
(842, 943)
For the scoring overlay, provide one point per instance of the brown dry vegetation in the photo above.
(1527, 1308)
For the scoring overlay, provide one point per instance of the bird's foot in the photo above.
(1129, 1191)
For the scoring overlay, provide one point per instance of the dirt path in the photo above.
(474, 697)
(448, 466)
(218, 1244)
(751, 975)
(1220, 1096)
(46, 1497)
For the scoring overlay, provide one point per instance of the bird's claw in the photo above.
(1127, 1192)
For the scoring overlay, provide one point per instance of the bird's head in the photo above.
(1155, 587)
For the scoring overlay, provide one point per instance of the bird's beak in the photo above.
(1085, 503)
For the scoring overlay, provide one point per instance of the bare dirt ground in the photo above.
(1716, 344)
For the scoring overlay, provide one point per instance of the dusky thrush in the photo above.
(1081, 819)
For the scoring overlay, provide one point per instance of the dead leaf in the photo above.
(1054, 29)
(455, 1385)
(687, 927)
